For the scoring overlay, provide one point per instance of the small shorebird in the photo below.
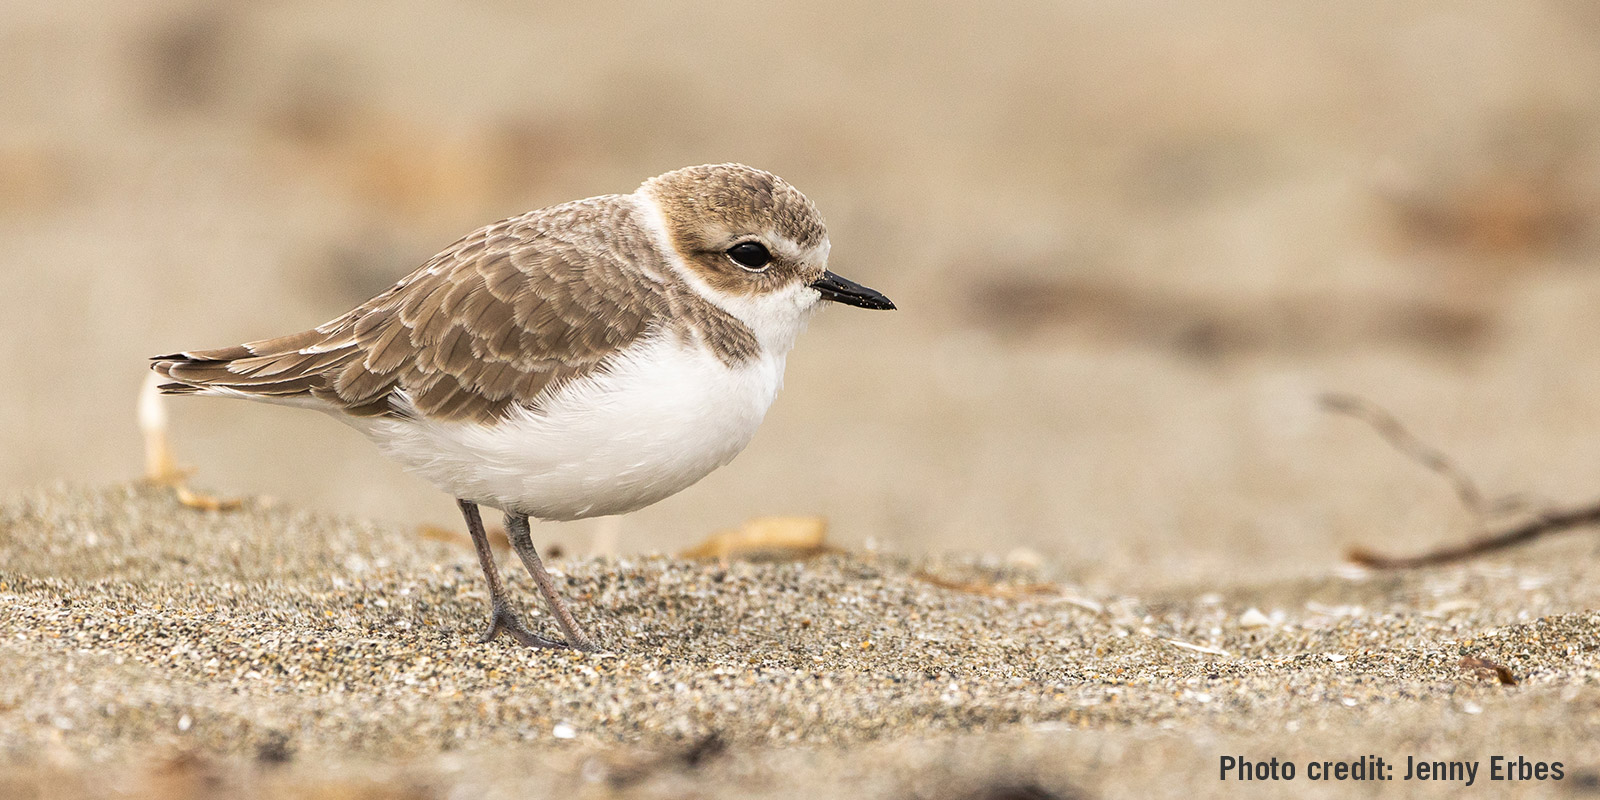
(577, 361)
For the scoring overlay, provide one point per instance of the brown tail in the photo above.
(286, 368)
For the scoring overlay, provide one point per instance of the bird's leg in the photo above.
(501, 617)
(522, 542)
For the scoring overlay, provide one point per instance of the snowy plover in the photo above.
(581, 360)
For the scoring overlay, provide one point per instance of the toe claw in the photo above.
(502, 620)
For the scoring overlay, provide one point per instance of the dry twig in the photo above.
(1011, 591)
(160, 467)
(496, 533)
(1546, 523)
(1431, 458)
(1390, 428)
(1198, 648)
(1006, 591)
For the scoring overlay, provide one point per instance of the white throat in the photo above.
(776, 318)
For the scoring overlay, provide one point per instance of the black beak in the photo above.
(844, 290)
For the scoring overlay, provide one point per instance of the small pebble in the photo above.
(1253, 618)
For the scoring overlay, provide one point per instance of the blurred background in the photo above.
(1131, 242)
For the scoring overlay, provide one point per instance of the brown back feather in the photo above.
(498, 319)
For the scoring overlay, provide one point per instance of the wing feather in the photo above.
(499, 318)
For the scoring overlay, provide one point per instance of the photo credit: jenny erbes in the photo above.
(1377, 768)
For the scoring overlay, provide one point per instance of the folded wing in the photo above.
(499, 319)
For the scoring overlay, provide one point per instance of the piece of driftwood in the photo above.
(767, 539)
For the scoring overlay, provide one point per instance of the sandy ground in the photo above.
(150, 648)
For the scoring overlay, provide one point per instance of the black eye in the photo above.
(750, 255)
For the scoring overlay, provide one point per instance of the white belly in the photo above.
(663, 417)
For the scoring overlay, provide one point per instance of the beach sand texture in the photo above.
(273, 653)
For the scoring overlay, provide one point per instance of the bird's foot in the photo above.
(504, 620)
(580, 641)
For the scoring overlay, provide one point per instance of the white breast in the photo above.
(661, 418)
